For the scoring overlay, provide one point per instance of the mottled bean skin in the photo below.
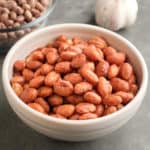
(73, 78)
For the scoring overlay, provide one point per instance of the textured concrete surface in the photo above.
(135, 135)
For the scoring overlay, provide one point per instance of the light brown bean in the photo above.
(132, 79)
(92, 53)
(134, 88)
(100, 110)
(55, 100)
(29, 95)
(75, 49)
(78, 61)
(92, 97)
(57, 116)
(89, 75)
(126, 71)
(63, 67)
(87, 116)
(18, 79)
(37, 55)
(33, 64)
(19, 65)
(65, 110)
(104, 87)
(51, 78)
(46, 50)
(18, 89)
(63, 88)
(43, 103)
(116, 58)
(51, 57)
(68, 55)
(84, 107)
(74, 117)
(36, 82)
(89, 65)
(36, 107)
(126, 96)
(82, 87)
(45, 91)
(99, 42)
(120, 85)
(109, 51)
(113, 71)
(112, 100)
(27, 74)
(102, 68)
(74, 78)
(45, 69)
(74, 99)
(110, 110)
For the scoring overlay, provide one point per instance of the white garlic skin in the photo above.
(116, 14)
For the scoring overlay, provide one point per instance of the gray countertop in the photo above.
(135, 135)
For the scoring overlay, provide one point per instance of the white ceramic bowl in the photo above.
(67, 129)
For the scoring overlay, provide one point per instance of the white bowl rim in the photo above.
(143, 86)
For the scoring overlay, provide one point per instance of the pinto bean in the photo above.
(83, 108)
(65, 110)
(92, 97)
(82, 87)
(63, 88)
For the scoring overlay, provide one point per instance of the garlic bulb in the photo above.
(116, 14)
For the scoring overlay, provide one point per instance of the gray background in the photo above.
(135, 135)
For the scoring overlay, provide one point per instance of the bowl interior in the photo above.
(43, 37)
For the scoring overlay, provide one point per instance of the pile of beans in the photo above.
(14, 13)
(75, 79)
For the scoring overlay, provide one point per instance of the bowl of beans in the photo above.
(21, 17)
(74, 82)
